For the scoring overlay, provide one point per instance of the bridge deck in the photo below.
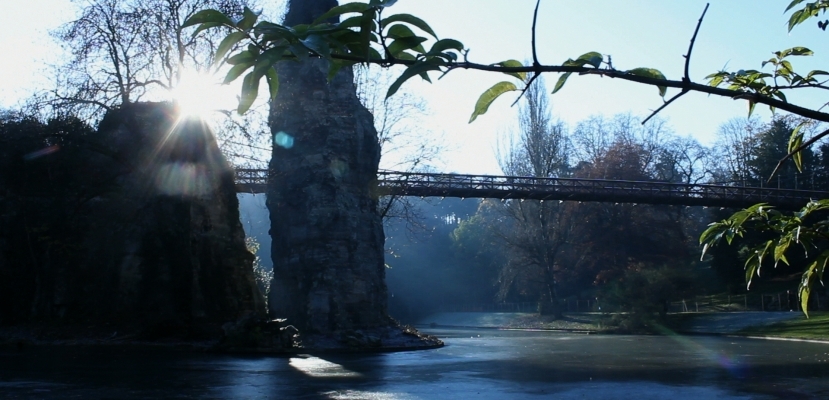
(565, 189)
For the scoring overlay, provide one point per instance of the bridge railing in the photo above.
(571, 189)
(461, 185)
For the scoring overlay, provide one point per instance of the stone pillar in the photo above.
(327, 249)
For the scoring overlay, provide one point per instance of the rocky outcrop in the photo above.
(327, 246)
(136, 226)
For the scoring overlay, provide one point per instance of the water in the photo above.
(486, 364)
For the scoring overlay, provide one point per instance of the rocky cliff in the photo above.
(134, 225)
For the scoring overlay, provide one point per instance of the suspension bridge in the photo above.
(393, 183)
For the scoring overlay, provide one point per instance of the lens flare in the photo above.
(283, 139)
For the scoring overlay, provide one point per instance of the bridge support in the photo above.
(329, 271)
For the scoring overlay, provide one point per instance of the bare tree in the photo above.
(124, 51)
(538, 232)
(736, 142)
(110, 62)
(404, 146)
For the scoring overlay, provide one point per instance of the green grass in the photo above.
(816, 327)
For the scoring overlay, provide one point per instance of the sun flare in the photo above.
(198, 94)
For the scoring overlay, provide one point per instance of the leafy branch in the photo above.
(789, 231)
(364, 36)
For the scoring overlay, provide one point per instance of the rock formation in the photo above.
(133, 226)
(327, 236)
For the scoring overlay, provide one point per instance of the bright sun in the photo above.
(198, 94)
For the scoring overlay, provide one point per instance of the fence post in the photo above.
(745, 301)
(762, 303)
(779, 303)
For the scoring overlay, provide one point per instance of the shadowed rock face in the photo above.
(328, 238)
(306, 11)
(147, 234)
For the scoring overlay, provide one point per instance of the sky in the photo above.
(739, 34)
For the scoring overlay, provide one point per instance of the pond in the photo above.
(485, 364)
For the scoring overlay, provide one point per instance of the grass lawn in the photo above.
(816, 327)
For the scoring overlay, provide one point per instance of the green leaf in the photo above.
(343, 9)
(795, 140)
(299, 50)
(367, 30)
(398, 31)
(406, 56)
(241, 57)
(226, 44)
(805, 291)
(780, 252)
(653, 74)
(206, 25)
(513, 64)
(751, 268)
(489, 96)
(593, 58)
(751, 105)
(792, 4)
(766, 248)
(317, 44)
(798, 17)
(800, 51)
(813, 273)
(443, 45)
(815, 73)
(334, 66)
(386, 3)
(412, 20)
(411, 71)
(236, 71)
(406, 43)
(248, 19)
(713, 233)
(273, 82)
(561, 80)
(250, 89)
(208, 16)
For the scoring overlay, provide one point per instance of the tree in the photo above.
(538, 232)
(123, 51)
(736, 141)
(402, 145)
(616, 237)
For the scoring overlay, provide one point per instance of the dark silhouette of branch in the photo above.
(526, 87)
(665, 104)
(535, 20)
(614, 73)
(687, 77)
(535, 57)
(797, 150)
(694, 39)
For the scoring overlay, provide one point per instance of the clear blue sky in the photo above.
(642, 33)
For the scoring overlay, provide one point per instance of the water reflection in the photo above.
(319, 368)
(480, 364)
